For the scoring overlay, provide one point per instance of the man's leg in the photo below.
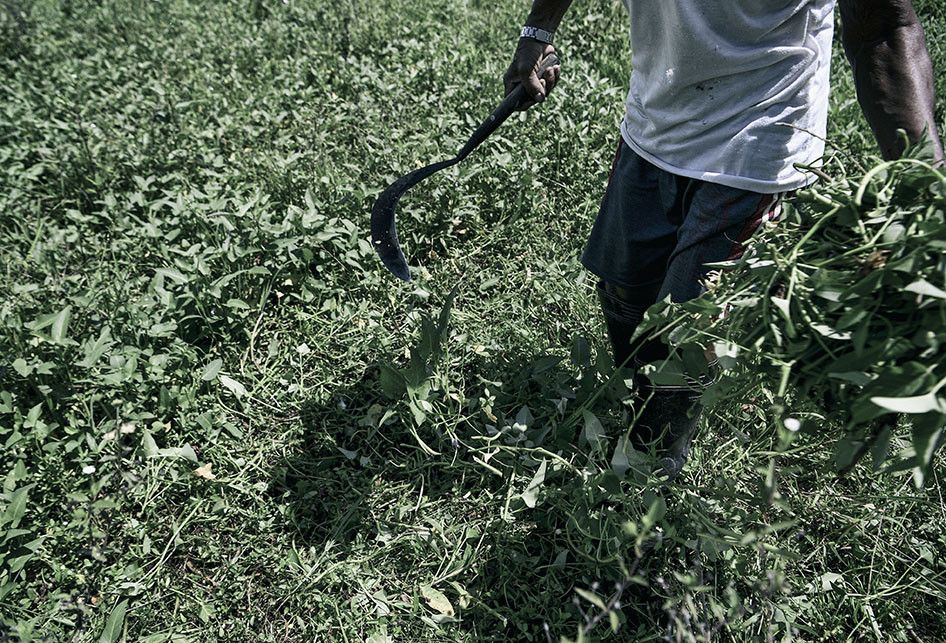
(717, 221)
(623, 310)
(653, 236)
(630, 245)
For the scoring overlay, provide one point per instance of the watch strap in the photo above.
(537, 34)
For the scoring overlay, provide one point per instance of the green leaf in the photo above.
(234, 387)
(726, 354)
(614, 620)
(859, 378)
(16, 509)
(163, 329)
(655, 512)
(186, 452)
(881, 446)
(61, 325)
(531, 494)
(830, 333)
(593, 433)
(379, 636)
(42, 322)
(620, 460)
(926, 433)
(524, 419)
(391, 380)
(923, 287)
(591, 597)
(783, 307)
(94, 350)
(173, 274)
(848, 450)
(418, 411)
(581, 351)
(437, 601)
(828, 580)
(666, 373)
(148, 444)
(17, 561)
(33, 415)
(238, 304)
(115, 623)
(11, 534)
(488, 283)
(211, 370)
(916, 405)
(21, 367)
(545, 363)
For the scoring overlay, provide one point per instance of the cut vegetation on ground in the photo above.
(222, 420)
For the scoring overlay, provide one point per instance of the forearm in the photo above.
(894, 80)
(547, 14)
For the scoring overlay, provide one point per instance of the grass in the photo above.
(187, 282)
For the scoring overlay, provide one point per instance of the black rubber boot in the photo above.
(667, 422)
(668, 416)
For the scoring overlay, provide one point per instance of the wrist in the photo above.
(547, 14)
(545, 20)
(532, 32)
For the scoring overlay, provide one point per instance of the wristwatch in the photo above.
(537, 34)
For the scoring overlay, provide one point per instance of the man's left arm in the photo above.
(885, 44)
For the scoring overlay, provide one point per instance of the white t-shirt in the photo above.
(730, 91)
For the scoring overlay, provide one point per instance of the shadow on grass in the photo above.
(388, 510)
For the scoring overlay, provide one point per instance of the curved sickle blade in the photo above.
(383, 219)
(383, 229)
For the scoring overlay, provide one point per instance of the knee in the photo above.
(619, 303)
(624, 294)
(638, 298)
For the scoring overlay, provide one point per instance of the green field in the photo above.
(222, 419)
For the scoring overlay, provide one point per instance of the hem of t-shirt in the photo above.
(729, 180)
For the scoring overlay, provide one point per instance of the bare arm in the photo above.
(885, 44)
(547, 15)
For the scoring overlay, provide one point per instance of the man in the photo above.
(726, 97)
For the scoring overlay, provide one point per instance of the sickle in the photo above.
(383, 225)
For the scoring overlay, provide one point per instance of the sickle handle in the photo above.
(511, 103)
(383, 228)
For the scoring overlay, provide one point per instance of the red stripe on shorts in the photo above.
(769, 208)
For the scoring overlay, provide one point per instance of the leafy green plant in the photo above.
(839, 309)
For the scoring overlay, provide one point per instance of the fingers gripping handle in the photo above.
(513, 101)
(520, 91)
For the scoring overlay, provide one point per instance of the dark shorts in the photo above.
(656, 231)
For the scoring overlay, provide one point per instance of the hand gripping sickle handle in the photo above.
(383, 230)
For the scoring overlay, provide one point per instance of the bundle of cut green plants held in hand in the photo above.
(837, 315)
